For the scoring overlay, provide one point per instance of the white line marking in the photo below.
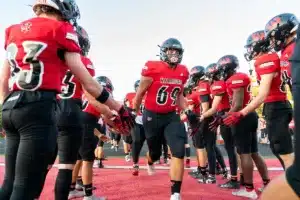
(158, 167)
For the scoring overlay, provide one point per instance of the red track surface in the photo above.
(119, 184)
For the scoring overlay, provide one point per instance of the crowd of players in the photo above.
(52, 106)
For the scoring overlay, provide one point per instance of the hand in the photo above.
(201, 118)
(217, 121)
(192, 117)
(126, 117)
(194, 122)
(232, 118)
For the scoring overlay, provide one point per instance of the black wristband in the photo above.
(102, 98)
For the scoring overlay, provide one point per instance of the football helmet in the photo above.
(279, 28)
(171, 52)
(227, 66)
(68, 8)
(256, 44)
(136, 84)
(84, 40)
(212, 73)
(106, 83)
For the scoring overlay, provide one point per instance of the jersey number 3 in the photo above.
(163, 96)
(68, 90)
(32, 78)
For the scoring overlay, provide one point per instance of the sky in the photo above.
(125, 33)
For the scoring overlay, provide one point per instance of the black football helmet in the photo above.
(197, 74)
(105, 82)
(279, 28)
(84, 40)
(227, 66)
(256, 44)
(68, 8)
(136, 85)
(175, 58)
(212, 73)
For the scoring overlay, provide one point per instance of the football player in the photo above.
(287, 185)
(138, 133)
(238, 87)
(219, 107)
(193, 101)
(31, 77)
(281, 32)
(69, 120)
(164, 81)
(208, 136)
(272, 92)
(91, 115)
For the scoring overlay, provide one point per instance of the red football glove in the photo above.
(232, 118)
(126, 117)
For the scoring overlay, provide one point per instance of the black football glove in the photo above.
(217, 121)
(194, 122)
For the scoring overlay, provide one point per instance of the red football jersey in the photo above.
(71, 87)
(239, 80)
(129, 97)
(219, 88)
(89, 108)
(270, 63)
(194, 99)
(285, 63)
(32, 50)
(203, 88)
(167, 85)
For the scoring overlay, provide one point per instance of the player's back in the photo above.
(34, 46)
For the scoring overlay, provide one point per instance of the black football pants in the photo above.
(29, 121)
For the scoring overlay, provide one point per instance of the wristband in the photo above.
(102, 98)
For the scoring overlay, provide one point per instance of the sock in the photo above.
(266, 181)
(241, 179)
(126, 154)
(79, 180)
(249, 186)
(72, 186)
(203, 170)
(188, 152)
(176, 186)
(234, 178)
(199, 169)
(88, 190)
(63, 182)
(150, 163)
